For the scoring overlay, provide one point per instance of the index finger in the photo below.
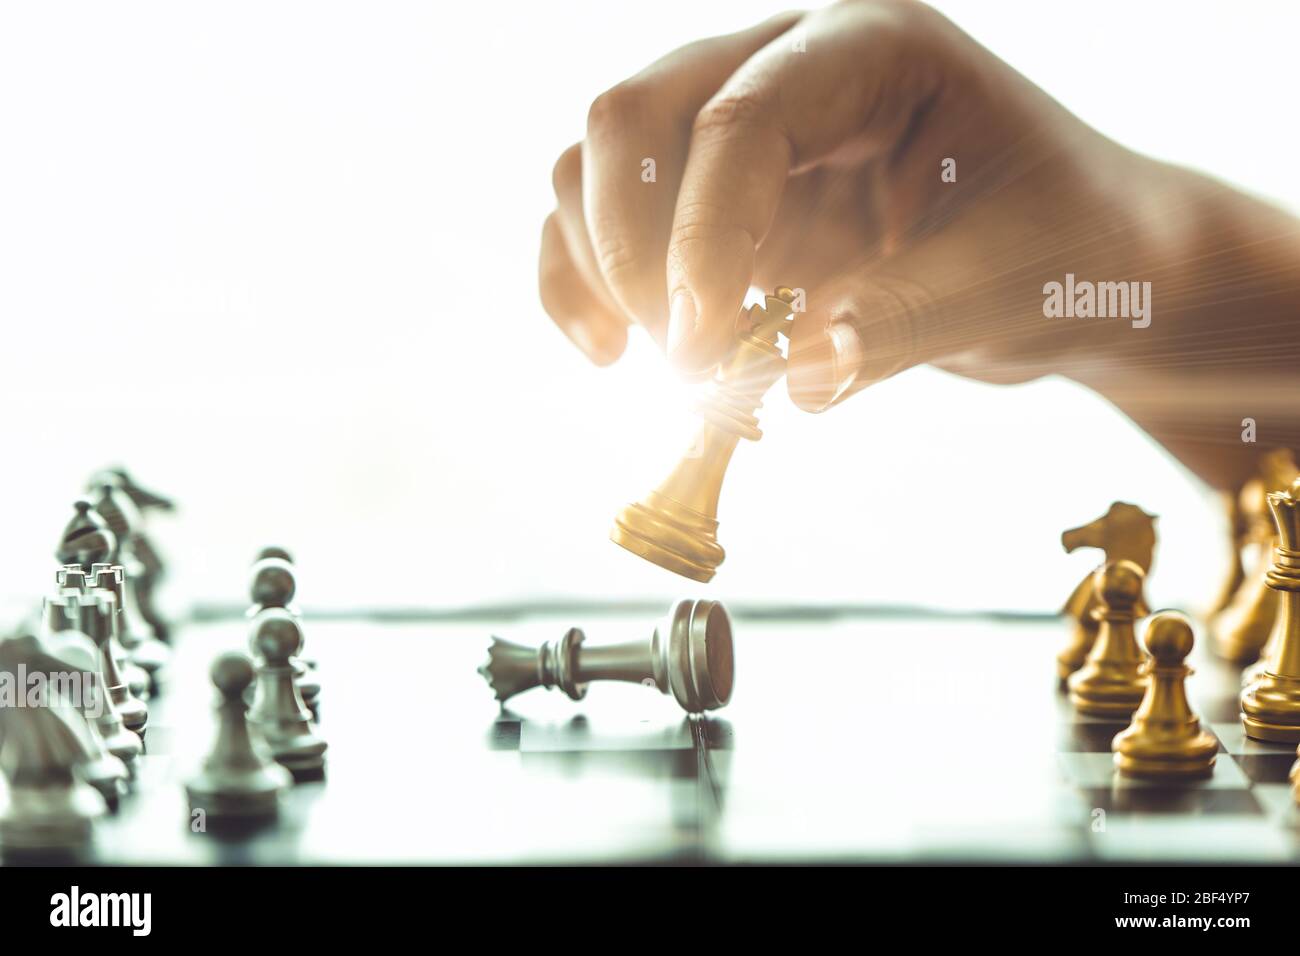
(848, 73)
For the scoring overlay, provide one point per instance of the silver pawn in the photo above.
(689, 655)
(279, 713)
(237, 782)
(273, 583)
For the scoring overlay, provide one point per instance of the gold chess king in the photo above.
(675, 526)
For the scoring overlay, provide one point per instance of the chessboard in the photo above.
(853, 735)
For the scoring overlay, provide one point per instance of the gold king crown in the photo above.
(675, 526)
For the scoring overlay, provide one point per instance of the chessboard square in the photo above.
(1226, 776)
(1267, 768)
(1088, 770)
(581, 735)
(1223, 837)
(1219, 709)
(714, 733)
(1279, 802)
(1233, 736)
(1142, 801)
(1095, 770)
(606, 763)
(1089, 736)
(504, 735)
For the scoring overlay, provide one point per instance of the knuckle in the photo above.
(615, 252)
(567, 173)
(611, 110)
(729, 111)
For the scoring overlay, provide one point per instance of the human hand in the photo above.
(809, 151)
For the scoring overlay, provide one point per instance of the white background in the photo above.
(279, 258)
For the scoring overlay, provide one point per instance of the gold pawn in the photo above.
(1113, 680)
(1270, 704)
(1125, 532)
(675, 526)
(1165, 738)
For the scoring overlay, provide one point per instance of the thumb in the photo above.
(858, 335)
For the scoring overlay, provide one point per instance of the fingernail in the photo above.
(822, 369)
(847, 354)
(682, 319)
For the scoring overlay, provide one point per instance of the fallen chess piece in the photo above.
(1113, 680)
(689, 655)
(278, 712)
(237, 782)
(1165, 739)
(1124, 533)
(1270, 704)
(675, 526)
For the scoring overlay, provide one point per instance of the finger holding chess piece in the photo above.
(1270, 704)
(1124, 532)
(1165, 739)
(278, 712)
(1113, 680)
(689, 655)
(238, 782)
